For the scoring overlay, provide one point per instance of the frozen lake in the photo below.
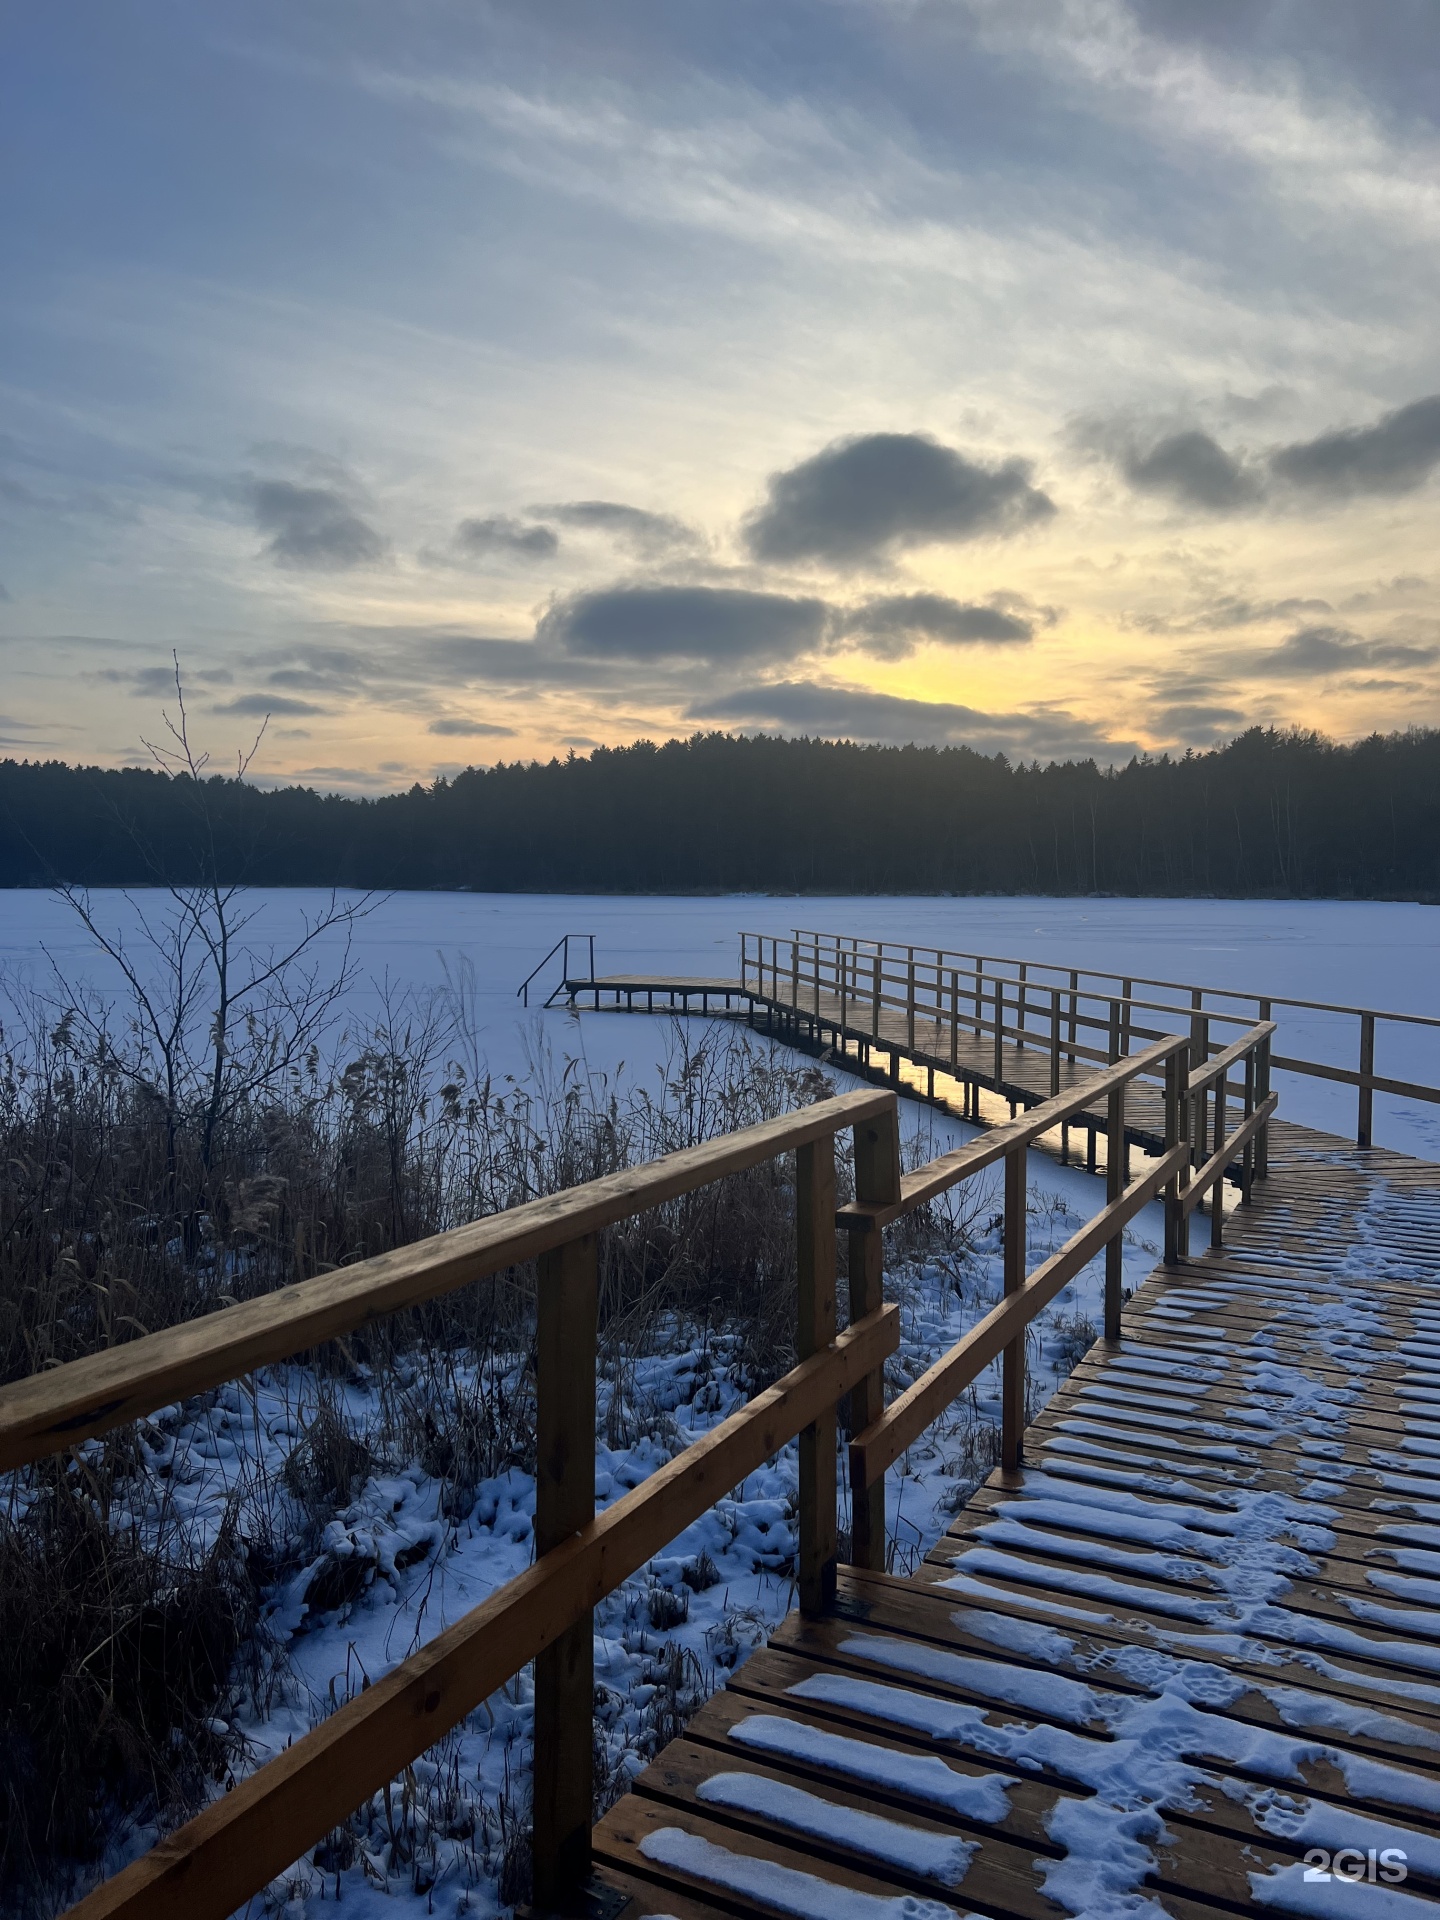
(1378, 954)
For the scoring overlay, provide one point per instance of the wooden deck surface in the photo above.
(1194, 1636)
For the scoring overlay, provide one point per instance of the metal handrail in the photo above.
(522, 992)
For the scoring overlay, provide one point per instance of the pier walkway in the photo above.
(1186, 1653)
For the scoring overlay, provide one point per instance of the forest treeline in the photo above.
(1272, 813)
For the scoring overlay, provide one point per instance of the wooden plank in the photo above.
(214, 1862)
(51, 1410)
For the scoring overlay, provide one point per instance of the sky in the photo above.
(455, 381)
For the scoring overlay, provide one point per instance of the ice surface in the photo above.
(1381, 954)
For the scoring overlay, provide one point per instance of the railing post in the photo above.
(939, 999)
(1022, 1004)
(566, 1305)
(1365, 1127)
(1262, 1092)
(1054, 1041)
(1177, 1068)
(1074, 1009)
(1199, 1128)
(879, 988)
(1127, 988)
(1114, 1047)
(979, 994)
(815, 1253)
(1114, 1185)
(877, 1183)
(795, 979)
(816, 973)
(1012, 1390)
(954, 1019)
(1247, 1163)
(1217, 1192)
(999, 1030)
(842, 967)
(910, 999)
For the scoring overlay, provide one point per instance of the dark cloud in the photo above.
(645, 533)
(1396, 455)
(257, 705)
(715, 625)
(891, 626)
(862, 499)
(1192, 721)
(856, 713)
(478, 729)
(1194, 469)
(313, 528)
(1314, 653)
(499, 534)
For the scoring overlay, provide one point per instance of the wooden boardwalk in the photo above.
(1192, 1638)
(926, 1056)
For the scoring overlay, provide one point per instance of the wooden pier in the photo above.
(1178, 1654)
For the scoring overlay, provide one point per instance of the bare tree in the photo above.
(215, 1014)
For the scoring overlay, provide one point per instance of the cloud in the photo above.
(891, 626)
(1194, 469)
(863, 499)
(314, 529)
(1224, 611)
(1396, 455)
(715, 625)
(258, 705)
(1313, 653)
(644, 533)
(1196, 722)
(477, 729)
(499, 534)
(857, 713)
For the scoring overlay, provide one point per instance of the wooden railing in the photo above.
(1184, 1170)
(240, 1842)
(1074, 1014)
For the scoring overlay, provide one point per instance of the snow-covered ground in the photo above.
(1378, 954)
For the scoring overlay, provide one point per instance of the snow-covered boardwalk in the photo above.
(1184, 1660)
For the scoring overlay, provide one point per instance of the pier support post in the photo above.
(1012, 1389)
(877, 1183)
(566, 1307)
(816, 1257)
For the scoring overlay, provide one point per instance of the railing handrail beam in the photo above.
(47, 1411)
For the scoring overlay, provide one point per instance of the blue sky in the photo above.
(461, 382)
